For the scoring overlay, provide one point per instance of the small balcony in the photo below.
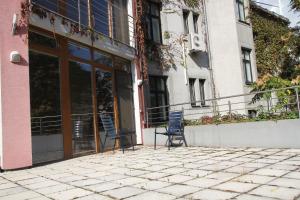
(107, 18)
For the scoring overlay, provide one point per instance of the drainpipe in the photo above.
(140, 75)
(213, 88)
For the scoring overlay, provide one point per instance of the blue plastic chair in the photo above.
(110, 132)
(175, 128)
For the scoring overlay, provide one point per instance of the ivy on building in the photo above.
(277, 46)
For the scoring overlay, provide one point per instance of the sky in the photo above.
(282, 7)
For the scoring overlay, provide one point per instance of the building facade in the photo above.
(65, 62)
(212, 55)
(62, 64)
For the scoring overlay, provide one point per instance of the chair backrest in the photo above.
(108, 124)
(176, 122)
(78, 129)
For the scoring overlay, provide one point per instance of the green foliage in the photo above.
(238, 118)
(295, 5)
(192, 3)
(268, 82)
(277, 46)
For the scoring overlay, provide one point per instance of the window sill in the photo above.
(248, 84)
(244, 22)
(203, 106)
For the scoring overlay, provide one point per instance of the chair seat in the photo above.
(174, 131)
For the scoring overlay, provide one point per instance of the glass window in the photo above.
(246, 54)
(105, 100)
(121, 23)
(49, 4)
(241, 10)
(44, 94)
(158, 98)
(202, 91)
(153, 22)
(102, 58)
(186, 21)
(79, 51)
(192, 91)
(36, 38)
(73, 7)
(81, 107)
(122, 64)
(195, 20)
(100, 16)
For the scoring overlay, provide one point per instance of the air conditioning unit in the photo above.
(195, 43)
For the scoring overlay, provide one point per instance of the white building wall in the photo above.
(196, 65)
(227, 36)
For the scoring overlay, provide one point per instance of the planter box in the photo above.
(266, 134)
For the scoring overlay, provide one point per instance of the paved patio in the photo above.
(182, 173)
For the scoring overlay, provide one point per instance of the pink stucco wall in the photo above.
(15, 93)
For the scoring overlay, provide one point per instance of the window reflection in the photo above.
(36, 38)
(49, 4)
(100, 16)
(81, 107)
(105, 100)
(44, 94)
(122, 64)
(73, 7)
(103, 59)
(79, 51)
(104, 91)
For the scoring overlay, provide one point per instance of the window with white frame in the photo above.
(195, 20)
(186, 21)
(202, 91)
(246, 56)
(240, 4)
(197, 92)
(192, 91)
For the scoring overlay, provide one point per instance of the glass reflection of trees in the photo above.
(44, 85)
(44, 94)
(104, 91)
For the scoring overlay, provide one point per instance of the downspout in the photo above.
(213, 88)
(140, 75)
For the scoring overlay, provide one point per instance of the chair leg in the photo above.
(184, 140)
(169, 140)
(121, 144)
(114, 145)
(103, 146)
(155, 141)
(132, 142)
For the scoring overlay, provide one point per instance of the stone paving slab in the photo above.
(146, 174)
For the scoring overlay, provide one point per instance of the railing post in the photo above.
(298, 104)
(41, 129)
(229, 111)
(147, 118)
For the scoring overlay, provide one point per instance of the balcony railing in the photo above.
(109, 18)
(232, 109)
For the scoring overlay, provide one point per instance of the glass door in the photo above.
(46, 121)
(125, 103)
(105, 102)
(83, 140)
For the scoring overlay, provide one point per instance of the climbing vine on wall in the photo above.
(277, 46)
(170, 54)
(73, 28)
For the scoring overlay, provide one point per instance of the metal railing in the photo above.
(242, 107)
(49, 125)
(46, 125)
(105, 18)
